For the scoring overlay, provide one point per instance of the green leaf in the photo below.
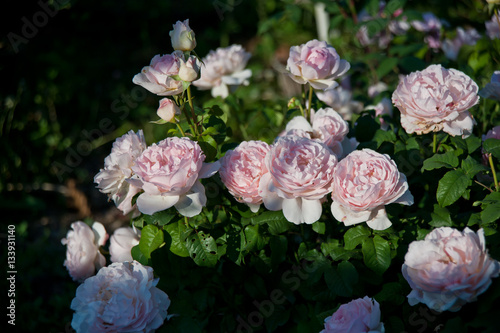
(491, 208)
(177, 232)
(473, 143)
(319, 227)
(159, 218)
(472, 167)
(452, 186)
(386, 66)
(139, 256)
(492, 146)
(391, 292)
(253, 238)
(447, 160)
(376, 254)
(209, 147)
(341, 280)
(151, 239)
(215, 110)
(382, 136)
(276, 221)
(441, 217)
(355, 236)
(202, 249)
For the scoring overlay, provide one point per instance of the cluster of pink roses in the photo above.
(122, 297)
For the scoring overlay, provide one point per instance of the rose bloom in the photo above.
(340, 99)
(359, 315)
(121, 243)
(493, 133)
(492, 89)
(82, 253)
(363, 183)
(223, 70)
(432, 26)
(122, 297)
(299, 177)
(182, 36)
(327, 127)
(448, 268)
(241, 170)
(118, 167)
(157, 77)
(493, 27)
(168, 109)
(169, 173)
(316, 63)
(189, 69)
(436, 99)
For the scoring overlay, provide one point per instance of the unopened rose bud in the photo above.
(182, 36)
(188, 70)
(167, 109)
(292, 103)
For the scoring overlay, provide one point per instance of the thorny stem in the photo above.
(495, 180)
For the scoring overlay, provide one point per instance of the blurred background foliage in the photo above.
(67, 93)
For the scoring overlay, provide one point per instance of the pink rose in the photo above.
(436, 99)
(493, 133)
(299, 177)
(122, 297)
(357, 316)
(223, 70)
(118, 167)
(340, 99)
(241, 170)
(448, 268)
(158, 76)
(121, 243)
(82, 252)
(327, 127)
(363, 183)
(492, 88)
(182, 36)
(316, 63)
(168, 109)
(169, 173)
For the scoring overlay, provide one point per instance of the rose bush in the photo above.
(231, 264)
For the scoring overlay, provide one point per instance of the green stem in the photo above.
(434, 143)
(310, 101)
(180, 128)
(190, 101)
(490, 159)
(302, 110)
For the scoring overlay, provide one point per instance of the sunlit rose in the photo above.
(448, 268)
